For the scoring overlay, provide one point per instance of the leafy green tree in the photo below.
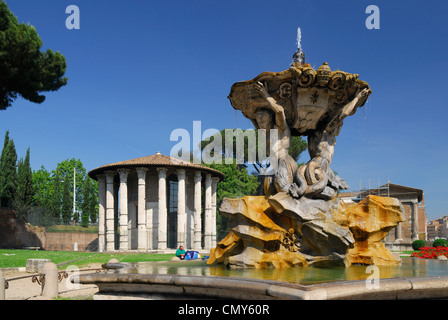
(50, 190)
(66, 171)
(55, 204)
(93, 204)
(85, 205)
(66, 209)
(297, 146)
(8, 173)
(89, 202)
(42, 187)
(249, 141)
(237, 183)
(24, 70)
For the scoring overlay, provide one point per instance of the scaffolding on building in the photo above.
(380, 190)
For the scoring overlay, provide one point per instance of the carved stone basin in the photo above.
(311, 98)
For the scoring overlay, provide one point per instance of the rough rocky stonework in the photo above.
(283, 232)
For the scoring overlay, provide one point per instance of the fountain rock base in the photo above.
(281, 232)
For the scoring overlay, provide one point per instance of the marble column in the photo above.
(181, 213)
(399, 232)
(414, 220)
(197, 211)
(110, 211)
(208, 212)
(215, 181)
(101, 212)
(162, 214)
(116, 235)
(141, 213)
(124, 238)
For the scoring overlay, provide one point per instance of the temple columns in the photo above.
(414, 220)
(110, 211)
(181, 213)
(197, 211)
(399, 232)
(113, 196)
(208, 212)
(101, 212)
(213, 213)
(162, 219)
(141, 213)
(124, 238)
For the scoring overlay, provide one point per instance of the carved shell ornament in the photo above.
(307, 77)
(285, 90)
(337, 80)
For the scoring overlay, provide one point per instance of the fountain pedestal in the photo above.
(283, 232)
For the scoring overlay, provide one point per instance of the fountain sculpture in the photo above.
(300, 221)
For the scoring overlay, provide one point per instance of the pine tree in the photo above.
(26, 71)
(8, 173)
(66, 209)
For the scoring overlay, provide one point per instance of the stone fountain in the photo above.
(300, 221)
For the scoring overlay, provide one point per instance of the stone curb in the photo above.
(181, 286)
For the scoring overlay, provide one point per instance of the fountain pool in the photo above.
(413, 279)
(410, 267)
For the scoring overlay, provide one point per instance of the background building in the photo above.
(438, 228)
(413, 200)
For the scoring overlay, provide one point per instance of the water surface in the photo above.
(410, 267)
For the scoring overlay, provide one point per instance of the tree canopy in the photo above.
(24, 70)
(247, 141)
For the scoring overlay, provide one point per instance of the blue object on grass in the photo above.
(191, 255)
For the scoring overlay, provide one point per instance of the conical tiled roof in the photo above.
(156, 160)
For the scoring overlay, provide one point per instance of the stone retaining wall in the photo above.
(69, 241)
(15, 234)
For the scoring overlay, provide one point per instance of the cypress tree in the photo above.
(5, 143)
(3, 173)
(8, 172)
(24, 187)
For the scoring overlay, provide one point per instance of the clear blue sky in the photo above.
(138, 70)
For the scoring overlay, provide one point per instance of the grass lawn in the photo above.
(17, 258)
(403, 254)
